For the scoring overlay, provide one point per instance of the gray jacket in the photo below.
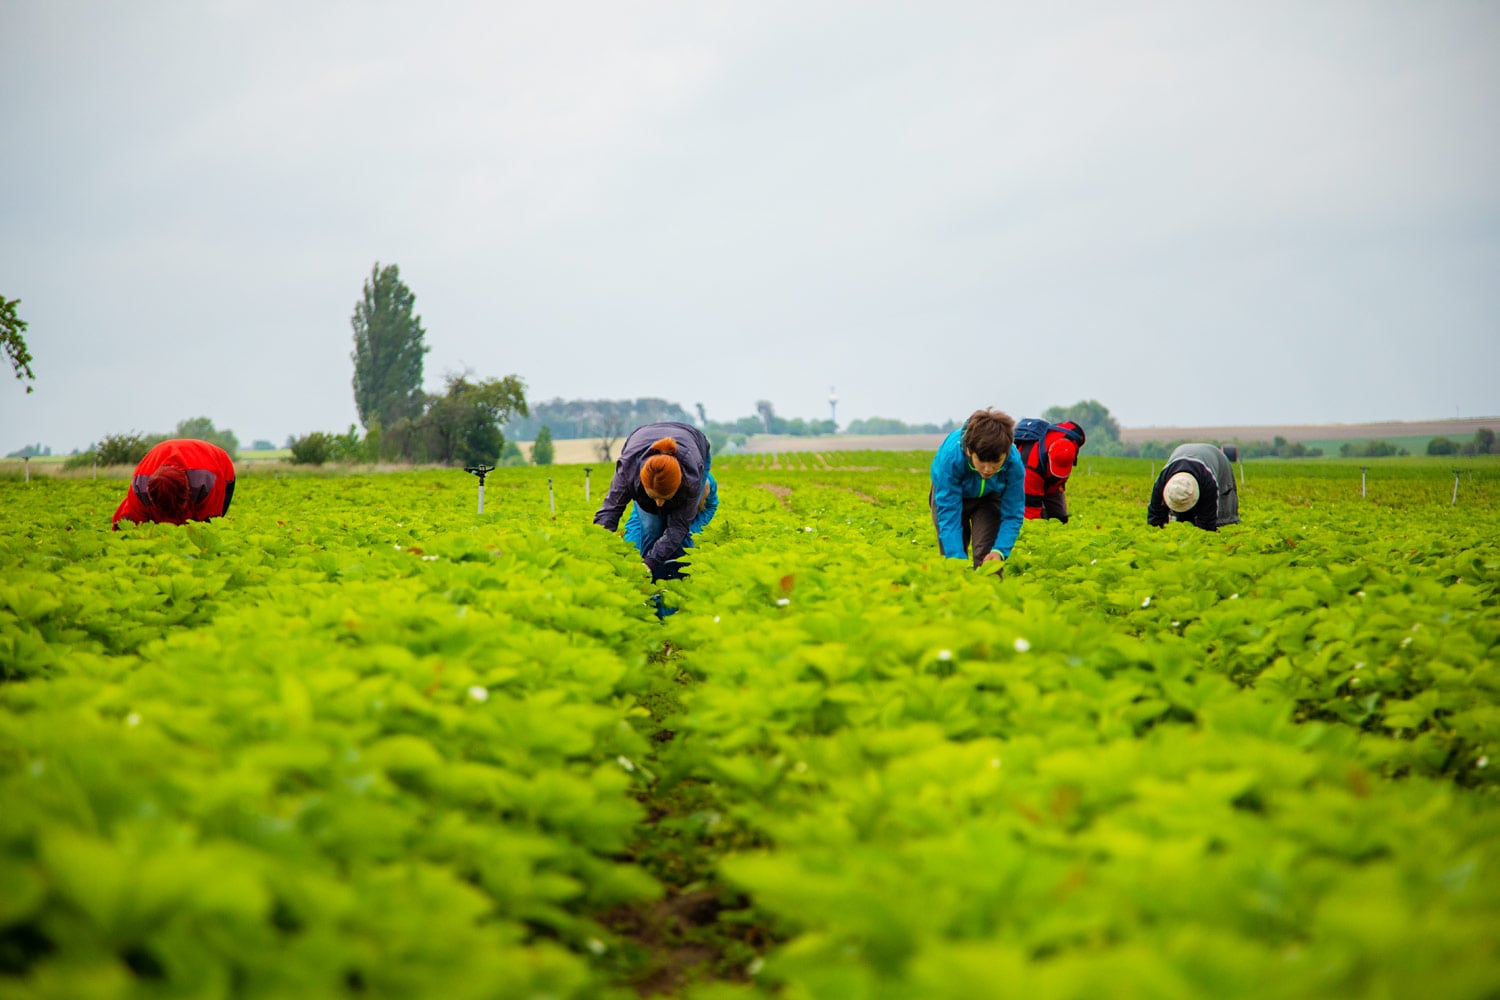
(1218, 501)
(693, 455)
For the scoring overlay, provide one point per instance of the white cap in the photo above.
(1181, 492)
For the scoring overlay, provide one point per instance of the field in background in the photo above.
(1398, 432)
(1413, 436)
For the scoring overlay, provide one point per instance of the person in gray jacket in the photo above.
(664, 470)
(1197, 485)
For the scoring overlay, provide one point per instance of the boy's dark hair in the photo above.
(989, 434)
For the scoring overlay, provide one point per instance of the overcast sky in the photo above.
(1197, 213)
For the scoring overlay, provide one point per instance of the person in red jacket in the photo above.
(1049, 463)
(178, 481)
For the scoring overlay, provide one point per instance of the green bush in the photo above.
(1370, 449)
(312, 449)
(1442, 446)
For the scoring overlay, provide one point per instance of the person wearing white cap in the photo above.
(1197, 485)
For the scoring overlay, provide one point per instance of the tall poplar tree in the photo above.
(388, 348)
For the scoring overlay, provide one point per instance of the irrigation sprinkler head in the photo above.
(480, 470)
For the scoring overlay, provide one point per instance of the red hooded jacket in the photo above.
(210, 474)
(1048, 465)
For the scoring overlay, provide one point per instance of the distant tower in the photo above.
(833, 406)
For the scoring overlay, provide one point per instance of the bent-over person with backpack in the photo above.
(1048, 452)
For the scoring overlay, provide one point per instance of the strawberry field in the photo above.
(357, 740)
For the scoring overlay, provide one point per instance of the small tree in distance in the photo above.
(1090, 414)
(542, 449)
(1442, 446)
(203, 429)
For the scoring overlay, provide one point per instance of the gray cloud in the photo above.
(1196, 213)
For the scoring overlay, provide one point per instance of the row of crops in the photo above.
(358, 740)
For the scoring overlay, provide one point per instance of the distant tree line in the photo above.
(575, 419)
(130, 447)
(1482, 444)
(887, 425)
(1279, 447)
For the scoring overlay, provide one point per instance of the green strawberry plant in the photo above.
(356, 739)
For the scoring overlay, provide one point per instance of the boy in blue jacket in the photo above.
(978, 491)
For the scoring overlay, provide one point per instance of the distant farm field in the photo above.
(357, 740)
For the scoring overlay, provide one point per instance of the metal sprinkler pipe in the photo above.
(481, 471)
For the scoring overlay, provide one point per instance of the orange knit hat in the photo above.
(661, 474)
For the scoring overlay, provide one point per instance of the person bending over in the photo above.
(1048, 461)
(1196, 485)
(664, 470)
(178, 481)
(977, 496)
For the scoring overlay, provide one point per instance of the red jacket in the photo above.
(1048, 464)
(210, 473)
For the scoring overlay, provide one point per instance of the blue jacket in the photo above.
(954, 480)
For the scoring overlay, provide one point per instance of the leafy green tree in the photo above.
(1090, 414)
(462, 426)
(542, 449)
(12, 330)
(1484, 441)
(1442, 446)
(203, 429)
(388, 348)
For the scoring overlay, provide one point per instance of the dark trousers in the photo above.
(980, 519)
(1053, 506)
